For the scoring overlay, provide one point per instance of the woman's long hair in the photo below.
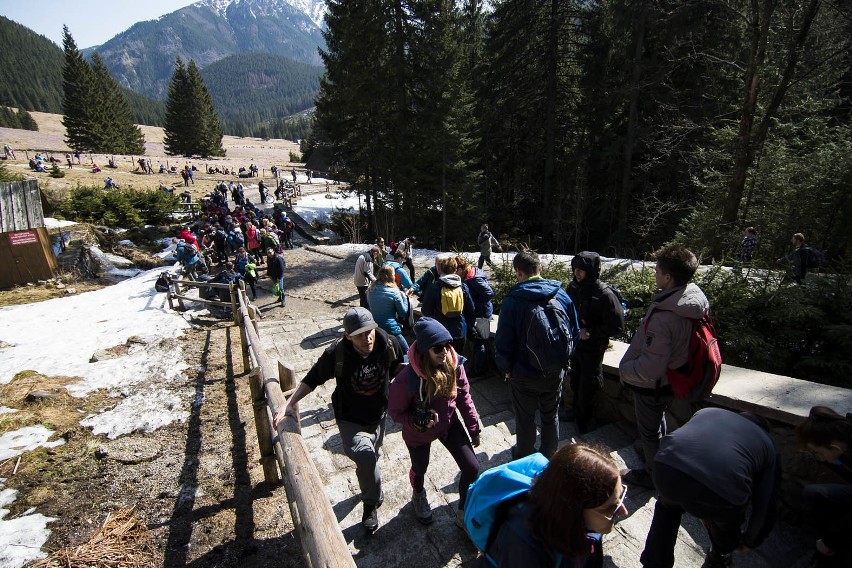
(440, 379)
(385, 276)
(579, 477)
(823, 426)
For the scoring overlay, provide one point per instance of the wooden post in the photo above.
(263, 427)
(169, 291)
(286, 376)
(178, 295)
(243, 323)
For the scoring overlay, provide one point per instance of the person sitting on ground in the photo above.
(423, 398)
(385, 302)
(96, 169)
(109, 184)
(828, 436)
(580, 491)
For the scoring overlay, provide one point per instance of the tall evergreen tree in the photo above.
(192, 126)
(120, 134)
(77, 101)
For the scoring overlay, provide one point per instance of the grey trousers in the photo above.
(529, 394)
(651, 422)
(361, 444)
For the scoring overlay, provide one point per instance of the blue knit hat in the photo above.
(430, 333)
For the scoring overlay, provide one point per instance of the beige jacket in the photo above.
(665, 342)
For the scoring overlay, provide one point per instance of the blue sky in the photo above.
(91, 22)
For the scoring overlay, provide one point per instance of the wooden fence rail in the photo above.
(283, 454)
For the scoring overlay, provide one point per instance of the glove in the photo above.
(474, 440)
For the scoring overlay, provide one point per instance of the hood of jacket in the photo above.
(590, 262)
(451, 280)
(686, 301)
(535, 289)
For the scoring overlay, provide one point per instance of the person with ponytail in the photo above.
(423, 398)
(828, 435)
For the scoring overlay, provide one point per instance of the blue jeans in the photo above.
(531, 394)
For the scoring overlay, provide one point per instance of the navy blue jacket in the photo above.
(481, 292)
(431, 306)
(510, 341)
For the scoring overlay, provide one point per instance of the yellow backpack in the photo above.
(452, 301)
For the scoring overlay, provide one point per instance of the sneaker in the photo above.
(638, 477)
(716, 560)
(421, 506)
(370, 518)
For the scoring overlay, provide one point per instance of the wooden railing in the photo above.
(322, 541)
(283, 454)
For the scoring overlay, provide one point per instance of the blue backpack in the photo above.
(490, 497)
(550, 333)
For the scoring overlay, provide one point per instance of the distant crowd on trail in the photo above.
(549, 506)
(236, 241)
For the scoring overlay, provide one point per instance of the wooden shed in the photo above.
(25, 251)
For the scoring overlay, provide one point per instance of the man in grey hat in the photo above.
(362, 364)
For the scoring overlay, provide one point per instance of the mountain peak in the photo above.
(313, 9)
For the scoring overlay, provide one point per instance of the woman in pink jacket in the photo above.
(423, 399)
(254, 242)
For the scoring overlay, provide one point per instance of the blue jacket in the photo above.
(186, 253)
(401, 274)
(510, 341)
(386, 305)
(480, 291)
(431, 306)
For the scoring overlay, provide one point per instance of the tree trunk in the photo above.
(633, 117)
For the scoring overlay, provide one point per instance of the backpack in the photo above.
(162, 282)
(695, 379)
(815, 257)
(550, 334)
(618, 296)
(496, 491)
(288, 226)
(452, 301)
(392, 246)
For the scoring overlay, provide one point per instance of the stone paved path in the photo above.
(298, 334)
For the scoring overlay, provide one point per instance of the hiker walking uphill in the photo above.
(361, 363)
(424, 398)
(715, 467)
(801, 259)
(275, 266)
(406, 246)
(661, 342)
(486, 242)
(364, 276)
(534, 341)
(601, 317)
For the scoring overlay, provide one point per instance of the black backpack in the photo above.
(550, 333)
(814, 257)
(162, 282)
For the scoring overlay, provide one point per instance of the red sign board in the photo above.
(23, 238)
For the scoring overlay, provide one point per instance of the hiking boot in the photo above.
(638, 477)
(716, 560)
(421, 506)
(370, 518)
(460, 520)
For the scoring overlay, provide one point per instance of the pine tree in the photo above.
(192, 125)
(120, 134)
(77, 104)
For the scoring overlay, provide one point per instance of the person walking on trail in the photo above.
(661, 343)
(747, 247)
(364, 276)
(487, 243)
(601, 317)
(361, 363)
(716, 467)
(275, 266)
(797, 260)
(407, 247)
(532, 388)
(423, 398)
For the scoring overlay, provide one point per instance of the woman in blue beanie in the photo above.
(423, 398)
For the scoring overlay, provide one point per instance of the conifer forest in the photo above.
(608, 125)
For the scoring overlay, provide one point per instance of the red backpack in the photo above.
(695, 379)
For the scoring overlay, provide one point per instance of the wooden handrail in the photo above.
(323, 544)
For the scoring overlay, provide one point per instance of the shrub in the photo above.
(119, 208)
(55, 172)
(294, 157)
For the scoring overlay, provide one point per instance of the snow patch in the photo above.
(141, 412)
(52, 223)
(24, 439)
(21, 538)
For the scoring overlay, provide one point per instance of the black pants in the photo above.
(830, 505)
(362, 297)
(586, 381)
(410, 266)
(679, 494)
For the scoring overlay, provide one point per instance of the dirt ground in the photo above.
(239, 152)
(197, 485)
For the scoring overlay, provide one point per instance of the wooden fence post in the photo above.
(178, 294)
(263, 428)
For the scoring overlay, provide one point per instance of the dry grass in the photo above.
(122, 540)
(40, 292)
